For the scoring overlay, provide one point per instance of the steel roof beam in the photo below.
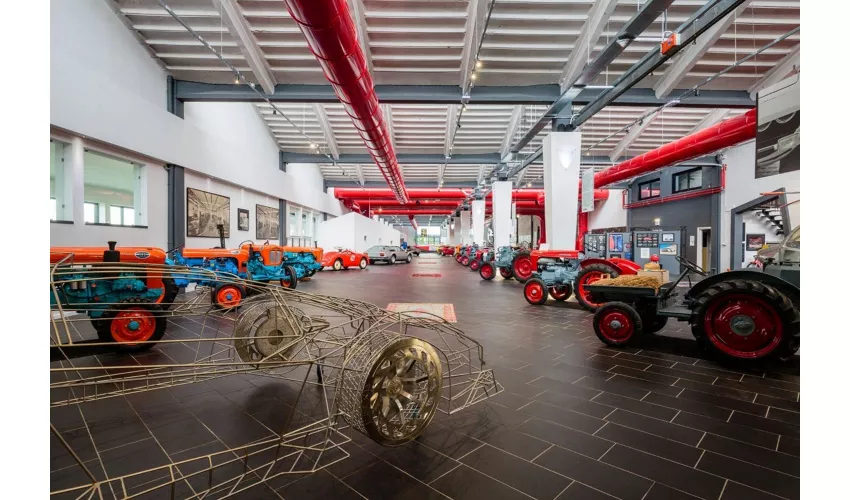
(706, 17)
(513, 125)
(358, 12)
(409, 158)
(631, 135)
(710, 119)
(590, 33)
(327, 130)
(475, 15)
(238, 27)
(778, 72)
(691, 55)
(451, 94)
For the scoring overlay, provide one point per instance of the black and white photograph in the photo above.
(268, 223)
(244, 217)
(205, 212)
(778, 131)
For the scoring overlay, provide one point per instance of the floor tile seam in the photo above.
(501, 482)
(752, 463)
(762, 430)
(658, 435)
(719, 396)
(570, 409)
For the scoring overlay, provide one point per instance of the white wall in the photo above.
(337, 233)
(105, 85)
(356, 232)
(239, 198)
(742, 186)
(608, 213)
(154, 208)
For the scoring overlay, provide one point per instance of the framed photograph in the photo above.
(668, 237)
(755, 242)
(268, 223)
(668, 249)
(205, 212)
(615, 242)
(244, 217)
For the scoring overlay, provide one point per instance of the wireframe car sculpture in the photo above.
(380, 373)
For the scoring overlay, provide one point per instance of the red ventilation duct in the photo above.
(363, 194)
(723, 135)
(332, 37)
(413, 222)
(432, 204)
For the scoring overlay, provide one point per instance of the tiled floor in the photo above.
(577, 420)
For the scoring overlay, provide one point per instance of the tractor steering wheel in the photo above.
(690, 266)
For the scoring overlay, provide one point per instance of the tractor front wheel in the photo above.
(487, 271)
(561, 293)
(587, 276)
(506, 272)
(740, 319)
(475, 265)
(617, 323)
(291, 280)
(135, 325)
(464, 261)
(227, 296)
(535, 292)
(522, 267)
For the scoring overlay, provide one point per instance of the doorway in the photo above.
(703, 247)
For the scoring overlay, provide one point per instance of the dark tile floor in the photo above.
(577, 420)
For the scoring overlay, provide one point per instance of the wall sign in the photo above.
(646, 239)
(668, 237)
(755, 242)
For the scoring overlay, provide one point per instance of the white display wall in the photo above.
(355, 232)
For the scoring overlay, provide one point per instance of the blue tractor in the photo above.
(502, 259)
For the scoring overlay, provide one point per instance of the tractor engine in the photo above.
(562, 272)
(505, 256)
(82, 290)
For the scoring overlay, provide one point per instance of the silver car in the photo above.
(389, 254)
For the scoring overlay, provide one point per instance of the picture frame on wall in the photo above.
(268, 223)
(668, 237)
(244, 218)
(205, 212)
(755, 242)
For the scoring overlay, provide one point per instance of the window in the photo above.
(111, 189)
(58, 207)
(52, 208)
(688, 180)
(90, 212)
(650, 189)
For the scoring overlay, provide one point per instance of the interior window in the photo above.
(113, 183)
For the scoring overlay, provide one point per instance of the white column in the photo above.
(502, 222)
(464, 228)
(452, 234)
(561, 166)
(75, 181)
(478, 221)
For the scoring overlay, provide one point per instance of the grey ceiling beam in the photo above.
(382, 184)
(714, 116)
(358, 13)
(573, 88)
(388, 120)
(710, 14)
(450, 94)
(327, 130)
(238, 27)
(513, 126)
(688, 57)
(778, 72)
(590, 33)
(475, 17)
(409, 158)
(631, 134)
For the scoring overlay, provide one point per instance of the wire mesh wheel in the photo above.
(399, 389)
(268, 333)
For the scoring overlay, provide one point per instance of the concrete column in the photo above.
(502, 208)
(75, 180)
(561, 169)
(452, 234)
(464, 228)
(478, 221)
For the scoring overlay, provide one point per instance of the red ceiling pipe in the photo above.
(360, 193)
(329, 29)
(413, 222)
(427, 204)
(723, 135)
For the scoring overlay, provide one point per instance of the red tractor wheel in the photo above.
(131, 322)
(535, 292)
(464, 261)
(227, 296)
(561, 293)
(588, 275)
(475, 265)
(522, 267)
(617, 323)
(487, 271)
(458, 257)
(746, 320)
(506, 273)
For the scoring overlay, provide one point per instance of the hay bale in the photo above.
(630, 280)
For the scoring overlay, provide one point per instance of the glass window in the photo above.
(90, 212)
(293, 223)
(57, 182)
(686, 181)
(110, 182)
(650, 189)
(52, 208)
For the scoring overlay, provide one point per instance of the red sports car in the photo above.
(343, 259)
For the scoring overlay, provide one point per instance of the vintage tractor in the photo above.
(478, 258)
(740, 315)
(124, 306)
(460, 250)
(559, 273)
(502, 260)
(468, 254)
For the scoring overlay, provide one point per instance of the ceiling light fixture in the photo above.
(478, 64)
(473, 76)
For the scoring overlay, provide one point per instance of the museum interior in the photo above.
(454, 249)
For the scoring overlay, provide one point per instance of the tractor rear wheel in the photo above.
(291, 281)
(464, 261)
(227, 296)
(506, 273)
(522, 268)
(487, 271)
(561, 293)
(740, 319)
(535, 292)
(617, 323)
(133, 321)
(475, 265)
(169, 294)
(587, 276)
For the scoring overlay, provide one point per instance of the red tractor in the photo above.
(575, 276)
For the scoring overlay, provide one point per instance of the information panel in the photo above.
(646, 240)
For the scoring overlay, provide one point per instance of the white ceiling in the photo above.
(423, 42)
